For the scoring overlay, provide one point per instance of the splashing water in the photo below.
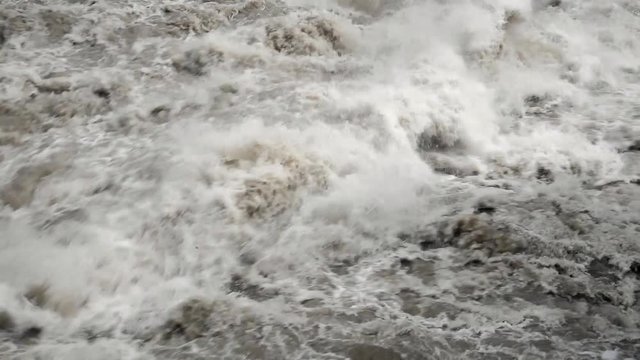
(335, 179)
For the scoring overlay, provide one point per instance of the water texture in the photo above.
(319, 179)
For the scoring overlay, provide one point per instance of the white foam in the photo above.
(337, 144)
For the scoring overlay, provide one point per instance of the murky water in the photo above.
(319, 179)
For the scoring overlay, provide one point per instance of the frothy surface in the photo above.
(301, 179)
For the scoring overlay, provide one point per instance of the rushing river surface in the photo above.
(319, 179)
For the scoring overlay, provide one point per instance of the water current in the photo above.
(319, 179)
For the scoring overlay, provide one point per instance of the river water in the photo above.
(319, 179)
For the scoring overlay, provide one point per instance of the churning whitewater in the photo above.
(319, 179)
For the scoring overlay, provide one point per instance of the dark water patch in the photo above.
(372, 352)
(195, 61)
(472, 232)
(411, 301)
(542, 106)
(423, 269)
(498, 355)
(191, 320)
(182, 19)
(7, 323)
(602, 268)
(242, 286)
(102, 92)
(342, 267)
(451, 164)
(439, 139)
(485, 207)
(14, 23)
(30, 334)
(38, 295)
(312, 36)
(545, 175)
(634, 268)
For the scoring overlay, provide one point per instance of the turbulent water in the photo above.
(319, 179)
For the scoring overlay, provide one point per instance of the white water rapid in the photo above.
(319, 179)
